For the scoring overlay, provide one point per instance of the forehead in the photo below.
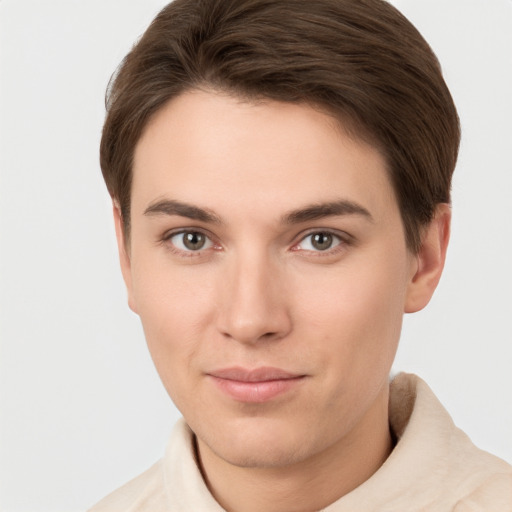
(215, 149)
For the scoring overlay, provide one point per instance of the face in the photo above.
(268, 264)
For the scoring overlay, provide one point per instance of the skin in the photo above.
(260, 293)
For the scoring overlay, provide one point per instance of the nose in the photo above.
(254, 302)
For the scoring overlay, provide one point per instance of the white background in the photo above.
(82, 410)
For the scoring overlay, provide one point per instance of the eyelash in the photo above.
(343, 240)
(167, 241)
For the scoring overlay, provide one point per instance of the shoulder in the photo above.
(457, 471)
(145, 493)
(148, 491)
(485, 481)
(492, 493)
(173, 483)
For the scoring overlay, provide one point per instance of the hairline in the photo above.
(343, 123)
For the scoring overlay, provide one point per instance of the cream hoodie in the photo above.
(433, 468)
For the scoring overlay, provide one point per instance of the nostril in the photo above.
(250, 309)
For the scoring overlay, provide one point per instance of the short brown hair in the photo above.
(360, 60)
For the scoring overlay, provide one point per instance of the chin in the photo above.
(260, 456)
(258, 444)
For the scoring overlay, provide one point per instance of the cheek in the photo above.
(361, 326)
(169, 296)
(175, 308)
(357, 310)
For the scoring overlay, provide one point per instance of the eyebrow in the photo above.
(321, 210)
(308, 213)
(172, 207)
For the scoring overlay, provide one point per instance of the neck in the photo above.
(311, 484)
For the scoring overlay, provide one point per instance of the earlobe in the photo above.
(429, 260)
(124, 256)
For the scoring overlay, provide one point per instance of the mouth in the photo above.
(255, 386)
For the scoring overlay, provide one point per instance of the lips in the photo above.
(254, 386)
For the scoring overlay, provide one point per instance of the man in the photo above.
(280, 173)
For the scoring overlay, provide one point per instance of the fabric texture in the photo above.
(434, 467)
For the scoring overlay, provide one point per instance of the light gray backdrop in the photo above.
(82, 409)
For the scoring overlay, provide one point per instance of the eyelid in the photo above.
(165, 239)
(345, 239)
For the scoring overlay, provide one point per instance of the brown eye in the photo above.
(190, 241)
(194, 241)
(321, 241)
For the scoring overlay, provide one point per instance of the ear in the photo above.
(429, 260)
(124, 256)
